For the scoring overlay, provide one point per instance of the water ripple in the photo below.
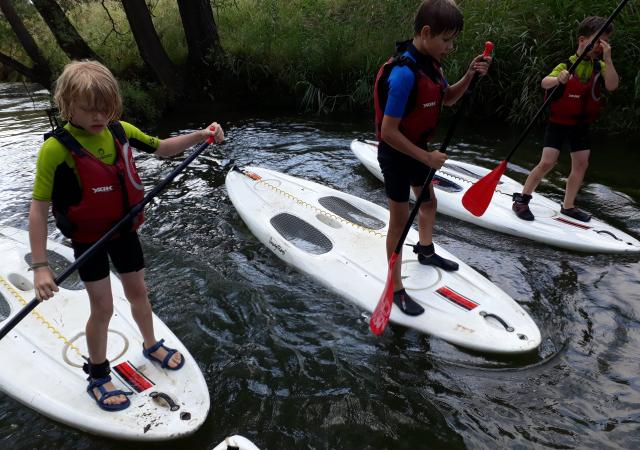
(290, 364)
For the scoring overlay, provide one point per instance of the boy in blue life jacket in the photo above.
(570, 116)
(86, 172)
(410, 90)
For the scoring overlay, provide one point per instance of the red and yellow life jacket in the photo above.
(108, 191)
(580, 102)
(421, 116)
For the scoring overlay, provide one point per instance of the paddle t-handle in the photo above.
(488, 49)
(212, 137)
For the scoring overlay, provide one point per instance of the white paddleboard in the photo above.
(43, 368)
(339, 240)
(550, 226)
(236, 442)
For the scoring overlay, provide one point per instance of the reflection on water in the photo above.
(291, 365)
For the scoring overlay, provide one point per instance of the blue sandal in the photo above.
(99, 383)
(165, 362)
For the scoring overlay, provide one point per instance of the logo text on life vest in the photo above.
(429, 105)
(103, 189)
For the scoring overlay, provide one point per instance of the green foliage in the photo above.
(321, 49)
(325, 53)
(533, 37)
(328, 51)
(143, 102)
(104, 26)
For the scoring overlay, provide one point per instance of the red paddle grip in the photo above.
(211, 139)
(488, 48)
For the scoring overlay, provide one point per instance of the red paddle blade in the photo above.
(476, 200)
(380, 316)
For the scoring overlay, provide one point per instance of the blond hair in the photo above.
(91, 82)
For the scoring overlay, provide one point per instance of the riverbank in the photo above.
(322, 56)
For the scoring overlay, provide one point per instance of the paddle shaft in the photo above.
(137, 209)
(443, 148)
(571, 69)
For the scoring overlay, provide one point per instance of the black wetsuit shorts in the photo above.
(400, 172)
(577, 135)
(125, 252)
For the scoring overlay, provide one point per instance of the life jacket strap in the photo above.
(117, 130)
(67, 139)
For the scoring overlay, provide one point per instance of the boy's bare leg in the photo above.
(426, 215)
(579, 165)
(398, 215)
(547, 162)
(97, 327)
(136, 292)
(426, 220)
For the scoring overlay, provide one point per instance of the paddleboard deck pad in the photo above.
(44, 353)
(339, 240)
(550, 225)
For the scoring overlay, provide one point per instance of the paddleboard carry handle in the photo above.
(506, 326)
(135, 210)
(609, 233)
(173, 406)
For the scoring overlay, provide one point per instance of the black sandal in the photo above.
(98, 377)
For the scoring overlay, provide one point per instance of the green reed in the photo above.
(324, 54)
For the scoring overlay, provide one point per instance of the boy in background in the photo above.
(571, 115)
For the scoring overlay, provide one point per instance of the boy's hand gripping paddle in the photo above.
(380, 316)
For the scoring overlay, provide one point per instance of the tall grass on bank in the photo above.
(104, 27)
(328, 51)
(533, 37)
(324, 54)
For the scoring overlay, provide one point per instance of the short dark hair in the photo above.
(591, 25)
(440, 15)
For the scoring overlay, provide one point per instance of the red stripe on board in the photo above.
(133, 377)
(458, 299)
(568, 222)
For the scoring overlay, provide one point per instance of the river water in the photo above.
(291, 365)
